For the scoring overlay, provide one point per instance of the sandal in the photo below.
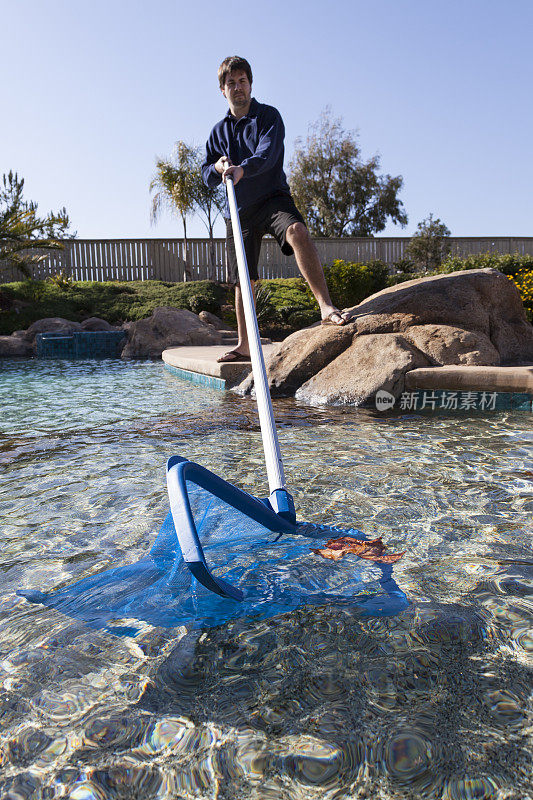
(232, 356)
(342, 316)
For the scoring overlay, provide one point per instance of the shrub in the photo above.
(227, 315)
(287, 293)
(303, 319)
(31, 290)
(509, 263)
(264, 308)
(114, 301)
(380, 274)
(405, 266)
(523, 281)
(350, 282)
(61, 280)
(284, 305)
(430, 245)
(202, 302)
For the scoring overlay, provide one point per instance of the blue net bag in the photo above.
(223, 554)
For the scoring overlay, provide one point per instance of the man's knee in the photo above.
(297, 234)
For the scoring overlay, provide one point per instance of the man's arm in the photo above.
(214, 164)
(269, 147)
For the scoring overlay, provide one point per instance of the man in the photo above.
(248, 144)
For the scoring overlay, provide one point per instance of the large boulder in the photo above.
(15, 347)
(474, 318)
(372, 362)
(474, 300)
(51, 325)
(212, 319)
(167, 327)
(301, 355)
(446, 344)
(96, 324)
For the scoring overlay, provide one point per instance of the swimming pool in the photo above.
(318, 702)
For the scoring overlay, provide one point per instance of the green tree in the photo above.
(175, 190)
(430, 245)
(23, 231)
(337, 192)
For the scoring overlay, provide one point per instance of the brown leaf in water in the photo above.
(372, 550)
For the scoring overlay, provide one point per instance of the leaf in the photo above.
(371, 550)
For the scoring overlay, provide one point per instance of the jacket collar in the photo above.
(252, 111)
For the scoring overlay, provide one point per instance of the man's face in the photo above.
(237, 89)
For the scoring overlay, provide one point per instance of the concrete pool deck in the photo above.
(199, 364)
(462, 388)
(489, 379)
(432, 385)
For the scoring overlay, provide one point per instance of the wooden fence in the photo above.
(163, 259)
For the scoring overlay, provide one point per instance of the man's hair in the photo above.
(230, 64)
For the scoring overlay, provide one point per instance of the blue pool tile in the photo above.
(80, 344)
(197, 377)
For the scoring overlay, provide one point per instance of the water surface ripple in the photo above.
(321, 702)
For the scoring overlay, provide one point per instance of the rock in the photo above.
(97, 324)
(373, 362)
(301, 355)
(167, 327)
(475, 318)
(15, 347)
(212, 319)
(513, 339)
(19, 334)
(444, 344)
(481, 300)
(51, 324)
(441, 300)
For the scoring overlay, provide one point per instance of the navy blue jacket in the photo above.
(255, 142)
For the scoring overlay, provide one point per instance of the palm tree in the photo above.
(209, 204)
(22, 230)
(175, 190)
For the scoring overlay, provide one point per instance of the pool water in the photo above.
(318, 702)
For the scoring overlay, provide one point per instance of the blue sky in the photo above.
(92, 92)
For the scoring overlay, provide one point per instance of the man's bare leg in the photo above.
(243, 347)
(309, 265)
(242, 344)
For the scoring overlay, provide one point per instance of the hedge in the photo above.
(24, 302)
(285, 304)
(509, 264)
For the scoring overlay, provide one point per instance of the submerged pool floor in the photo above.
(316, 702)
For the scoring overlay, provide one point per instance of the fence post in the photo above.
(66, 259)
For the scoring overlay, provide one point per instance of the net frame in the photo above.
(179, 471)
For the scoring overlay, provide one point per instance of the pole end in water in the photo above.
(283, 504)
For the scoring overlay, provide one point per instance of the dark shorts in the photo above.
(273, 215)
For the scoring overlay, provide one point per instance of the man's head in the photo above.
(235, 78)
(233, 64)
